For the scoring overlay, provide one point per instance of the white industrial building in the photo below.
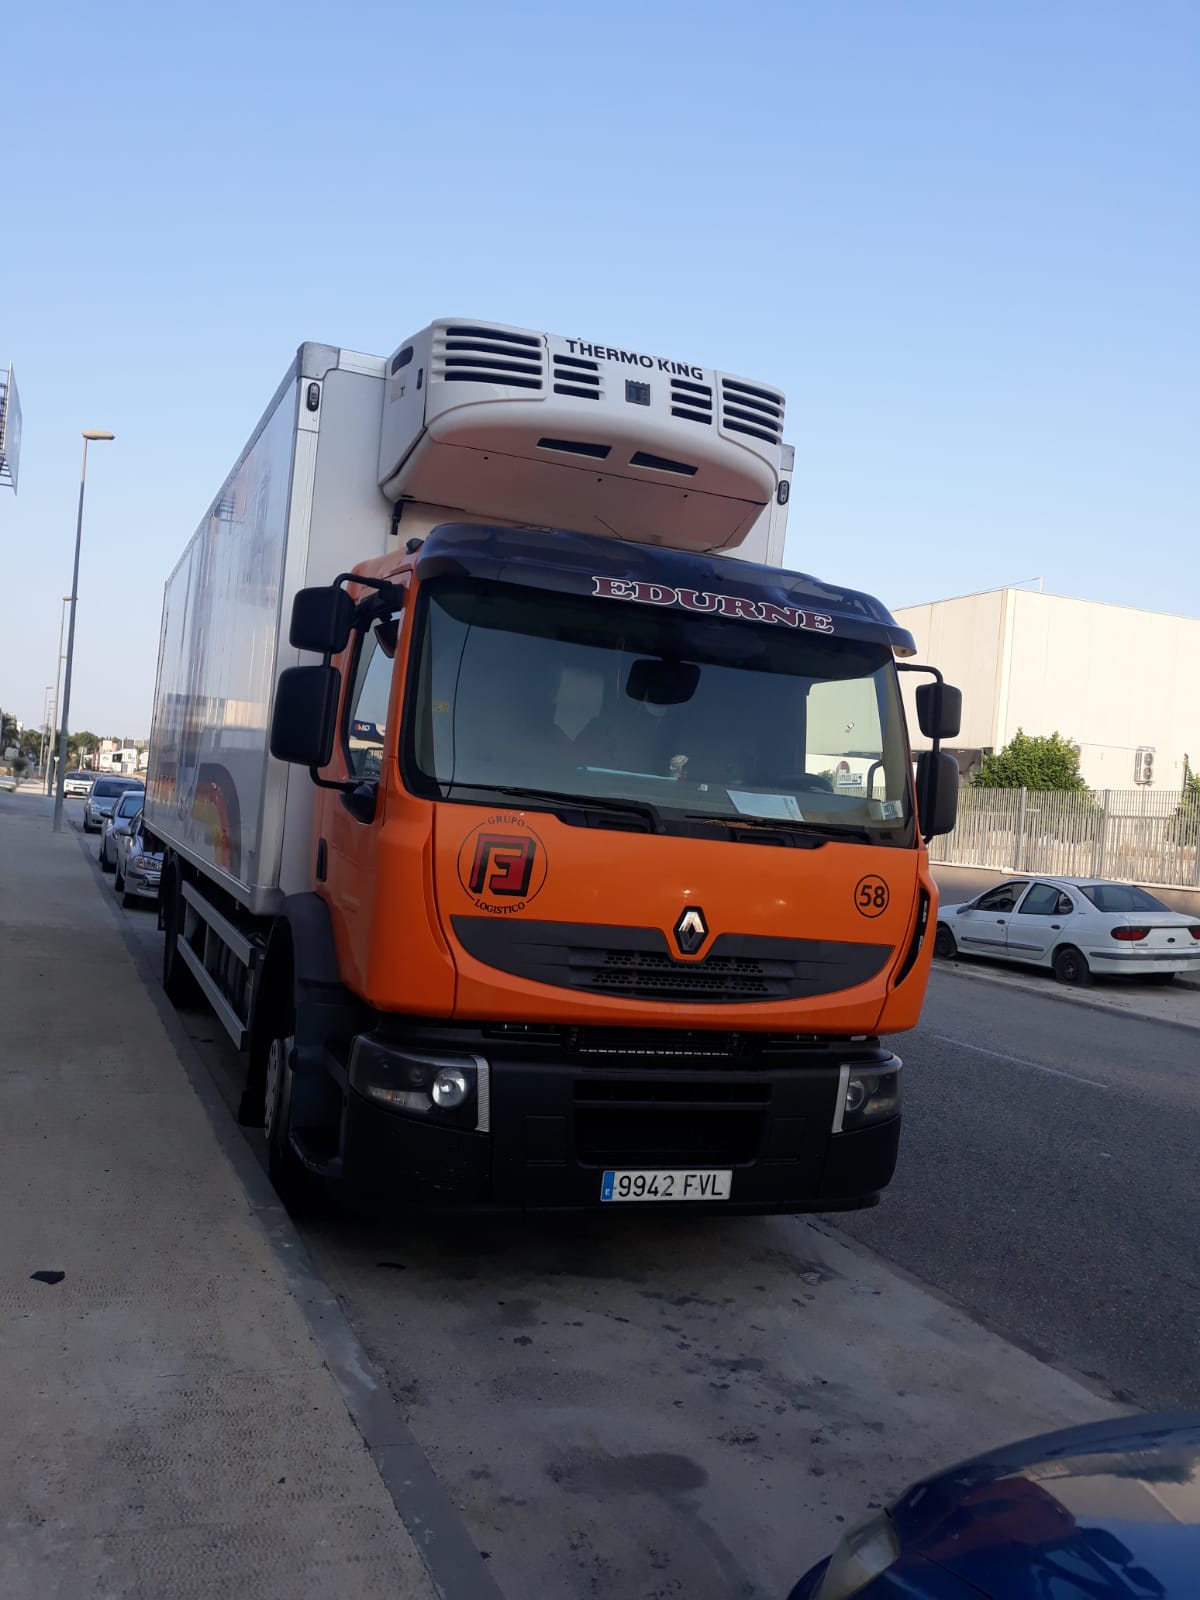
(1120, 684)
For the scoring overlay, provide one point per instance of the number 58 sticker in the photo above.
(871, 896)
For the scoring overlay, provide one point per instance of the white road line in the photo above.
(1021, 1061)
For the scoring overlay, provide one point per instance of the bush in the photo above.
(1032, 761)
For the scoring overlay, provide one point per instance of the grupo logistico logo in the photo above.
(502, 865)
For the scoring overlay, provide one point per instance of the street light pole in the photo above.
(62, 625)
(89, 434)
(47, 735)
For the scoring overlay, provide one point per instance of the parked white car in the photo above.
(1076, 926)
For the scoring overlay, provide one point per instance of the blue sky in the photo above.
(964, 238)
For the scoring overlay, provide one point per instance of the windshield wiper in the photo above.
(814, 830)
(588, 802)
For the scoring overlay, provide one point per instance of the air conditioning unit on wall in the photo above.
(1143, 764)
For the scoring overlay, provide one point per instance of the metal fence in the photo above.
(1133, 835)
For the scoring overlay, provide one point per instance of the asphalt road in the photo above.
(1049, 1180)
(669, 1408)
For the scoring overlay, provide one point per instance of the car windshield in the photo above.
(129, 804)
(520, 688)
(106, 788)
(1113, 897)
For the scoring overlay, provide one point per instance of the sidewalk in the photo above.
(169, 1427)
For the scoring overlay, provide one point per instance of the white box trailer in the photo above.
(465, 421)
(300, 505)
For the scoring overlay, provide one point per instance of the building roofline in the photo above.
(1111, 605)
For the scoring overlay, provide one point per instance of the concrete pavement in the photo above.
(634, 1408)
(1047, 1180)
(169, 1426)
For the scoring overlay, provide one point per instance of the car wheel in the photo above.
(945, 946)
(126, 897)
(1071, 967)
(105, 864)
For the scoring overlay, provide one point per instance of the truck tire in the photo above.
(299, 1189)
(178, 981)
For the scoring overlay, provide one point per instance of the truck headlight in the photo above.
(864, 1553)
(451, 1089)
(868, 1092)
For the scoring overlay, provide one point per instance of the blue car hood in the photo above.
(1110, 1511)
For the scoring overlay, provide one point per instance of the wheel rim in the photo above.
(1070, 968)
(277, 1056)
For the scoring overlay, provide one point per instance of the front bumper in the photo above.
(553, 1126)
(142, 884)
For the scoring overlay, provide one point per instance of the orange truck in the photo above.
(539, 839)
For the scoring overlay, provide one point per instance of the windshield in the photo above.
(1121, 897)
(694, 715)
(129, 804)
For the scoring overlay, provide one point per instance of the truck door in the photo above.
(349, 825)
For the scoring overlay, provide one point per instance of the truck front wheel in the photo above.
(298, 1188)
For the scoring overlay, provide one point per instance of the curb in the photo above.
(1015, 980)
(431, 1519)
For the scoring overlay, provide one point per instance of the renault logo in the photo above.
(691, 930)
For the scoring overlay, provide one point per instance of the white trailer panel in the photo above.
(214, 793)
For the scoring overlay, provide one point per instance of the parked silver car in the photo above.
(102, 798)
(1075, 926)
(139, 864)
(116, 823)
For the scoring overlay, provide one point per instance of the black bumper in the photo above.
(553, 1125)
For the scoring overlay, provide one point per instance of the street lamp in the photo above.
(62, 623)
(89, 434)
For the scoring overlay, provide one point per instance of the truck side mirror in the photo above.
(939, 710)
(304, 721)
(937, 793)
(321, 620)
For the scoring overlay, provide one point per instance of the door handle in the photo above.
(1001, 920)
(1055, 926)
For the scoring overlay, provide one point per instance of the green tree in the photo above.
(1032, 761)
(79, 744)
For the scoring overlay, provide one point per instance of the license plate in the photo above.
(708, 1184)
